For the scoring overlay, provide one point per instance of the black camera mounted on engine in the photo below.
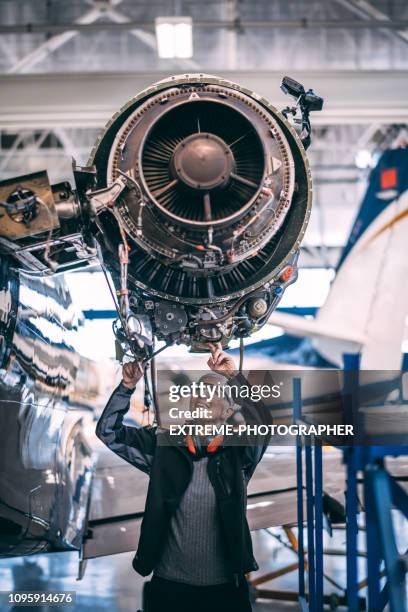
(306, 101)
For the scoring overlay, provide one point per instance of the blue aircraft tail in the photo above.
(388, 180)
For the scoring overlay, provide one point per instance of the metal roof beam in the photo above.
(53, 43)
(120, 22)
(368, 12)
(88, 100)
(87, 21)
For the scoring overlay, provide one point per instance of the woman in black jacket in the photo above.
(194, 535)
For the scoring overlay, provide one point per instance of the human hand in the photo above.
(132, 372)
(220, 362)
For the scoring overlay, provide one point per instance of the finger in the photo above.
(215, 349)
(127, 368)
(218, 355)
(215, 346)
(132, 368)
(134, 372)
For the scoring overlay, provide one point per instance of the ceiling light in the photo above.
(174, 37)
(363, 159)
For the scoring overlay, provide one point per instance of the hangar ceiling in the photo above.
(66, 67)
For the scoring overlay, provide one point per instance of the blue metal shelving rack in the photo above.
(382, 493)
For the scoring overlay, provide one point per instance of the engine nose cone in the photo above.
(203, 161)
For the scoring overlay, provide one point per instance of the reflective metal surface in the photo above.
(45, 461)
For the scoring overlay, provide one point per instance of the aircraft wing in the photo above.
(301, 326)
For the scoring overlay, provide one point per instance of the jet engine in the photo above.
(198, 194)
(216, 201)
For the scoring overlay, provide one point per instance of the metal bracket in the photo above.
(101, 199)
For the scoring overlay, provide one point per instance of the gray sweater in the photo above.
(194, 552)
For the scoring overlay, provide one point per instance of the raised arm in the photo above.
(134, 444)
(254, 413)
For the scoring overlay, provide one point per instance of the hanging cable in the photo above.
(241, 354)
(153, 377)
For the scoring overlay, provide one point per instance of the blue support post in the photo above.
(314, 506)
(297, 413)
(373, 547)
(351, 532)
(318, 468)
(310, 527)
(351, 364)
(350, 389)
(380, 488)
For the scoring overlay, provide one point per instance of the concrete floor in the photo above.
(111, 584)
